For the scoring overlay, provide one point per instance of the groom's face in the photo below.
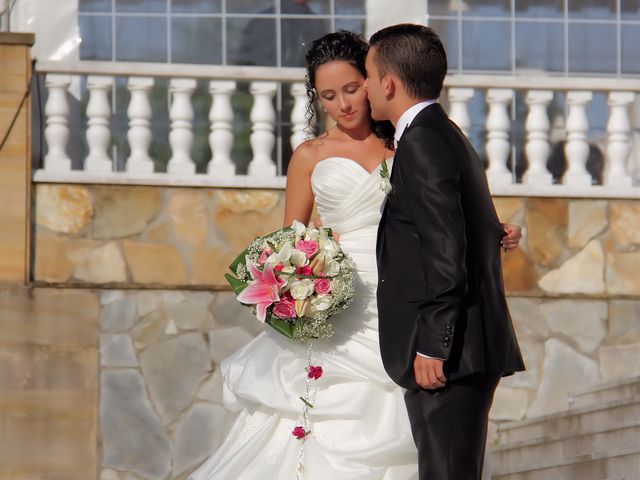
(375, 88)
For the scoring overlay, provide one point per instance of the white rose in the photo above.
(312, 234)
(298, 227)
(301, 289)
(298, 258)
(331, 248)
(285, 252)
(289, 269)
(332, 268)
(322, 302)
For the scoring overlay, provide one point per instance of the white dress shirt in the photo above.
(403, 122)
(407, 117)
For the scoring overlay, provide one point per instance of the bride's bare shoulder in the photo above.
(308, 153)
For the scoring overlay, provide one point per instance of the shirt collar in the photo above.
(407, 117)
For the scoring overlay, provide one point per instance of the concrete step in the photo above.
(577, 421)
(618, 464)
(628, 389)
(566, 449)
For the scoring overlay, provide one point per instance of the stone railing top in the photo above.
(535, 80)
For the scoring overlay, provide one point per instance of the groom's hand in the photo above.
(429, 372)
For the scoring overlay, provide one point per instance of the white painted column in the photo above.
(459, 107)
(298, 117)
(498, 145)
(221, 136)
(537, 147)
(57, 130)
(576, 149)
(619, 142)
(139, 134)
(99, 124)
(181, 135)
(263, 118)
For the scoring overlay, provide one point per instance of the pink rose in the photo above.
(264, 255)
(309, 247)
(322, 285)
(306, 271)
(278, 268)
(299, 432)
(285, 308)
(314, 372)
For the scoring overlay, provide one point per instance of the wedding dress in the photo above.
(359, 425)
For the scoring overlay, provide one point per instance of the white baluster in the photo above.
(459, 107)
(221, 136)
(298, 118)
(537, 147)
(576, 150)
(181, 135)
(57, 131)
(263, 117)
(498, 146)
(98, 124)
(619, 144)
(139, 134)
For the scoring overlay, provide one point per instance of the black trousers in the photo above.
(449, 426)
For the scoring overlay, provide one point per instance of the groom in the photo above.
(445, 331)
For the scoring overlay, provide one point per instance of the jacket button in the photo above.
(382, 280)
(447, 338)
(445, 344)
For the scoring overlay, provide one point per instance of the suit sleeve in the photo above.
(434, 204)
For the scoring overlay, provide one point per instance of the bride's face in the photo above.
(340, 88)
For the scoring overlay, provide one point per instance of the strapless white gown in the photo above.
(360, 429)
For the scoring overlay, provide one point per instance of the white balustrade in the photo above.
(139, 134)
(576, 149)
(262, 139)
(98, 124)
(621, 169)
(537, 147)
(619, 143)
(498, 145)
(459, 107)
(57, 130)
(298, 114)
(221, 136)
(181, 135)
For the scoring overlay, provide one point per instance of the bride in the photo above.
(359, 425)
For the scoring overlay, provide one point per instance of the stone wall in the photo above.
(155, 257)
(146, 236)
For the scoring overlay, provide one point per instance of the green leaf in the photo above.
(281, 326)
(240, 259)
(236, 284)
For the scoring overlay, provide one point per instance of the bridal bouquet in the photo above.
(295, 280)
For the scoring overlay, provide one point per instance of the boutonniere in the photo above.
(385, 178)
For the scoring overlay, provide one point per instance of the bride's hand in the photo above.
(511, 240)
(318, 224)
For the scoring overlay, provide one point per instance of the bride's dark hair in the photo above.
(348, 47)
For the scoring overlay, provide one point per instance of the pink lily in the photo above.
(263, 290)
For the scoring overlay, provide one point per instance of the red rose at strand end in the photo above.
(309, 247)
(299, 432)
(315, 372)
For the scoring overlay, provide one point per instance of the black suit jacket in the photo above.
(440, 289)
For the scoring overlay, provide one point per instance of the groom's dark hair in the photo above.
(415, 54)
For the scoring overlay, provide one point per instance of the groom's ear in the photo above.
(389, 86)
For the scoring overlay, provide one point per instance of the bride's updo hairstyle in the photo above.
(345, 46)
